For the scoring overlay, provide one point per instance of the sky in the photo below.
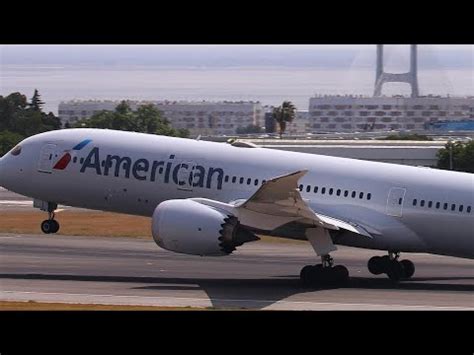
(322, 56)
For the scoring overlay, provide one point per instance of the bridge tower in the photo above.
(411, 77)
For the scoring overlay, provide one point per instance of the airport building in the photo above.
(203, 117)
(352, 113)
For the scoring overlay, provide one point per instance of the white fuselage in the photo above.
(132, 173)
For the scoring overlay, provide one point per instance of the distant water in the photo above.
(269, 85)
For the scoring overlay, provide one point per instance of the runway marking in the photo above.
(274, 303)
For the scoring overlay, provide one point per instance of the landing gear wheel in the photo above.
(408, 268)
(394, 271)
(49, 226)
(306, 275)
(341, 274)
(375, 265)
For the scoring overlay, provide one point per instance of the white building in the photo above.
(301, 123)
(206, 118)
(357, 113)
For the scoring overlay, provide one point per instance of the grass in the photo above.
(93, 223)
(40, 306)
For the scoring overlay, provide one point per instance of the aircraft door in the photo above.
(46, 158)
(395, 200)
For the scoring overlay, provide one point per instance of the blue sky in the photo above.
(324, 56)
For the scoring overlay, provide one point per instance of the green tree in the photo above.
(146, 119)
(251, 128)
(36, 103)
(458, 155)
(284, 114)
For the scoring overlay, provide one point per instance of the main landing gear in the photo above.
(324, 274)
(50, 226)
(389, 264)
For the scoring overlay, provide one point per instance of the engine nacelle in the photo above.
(189, 227)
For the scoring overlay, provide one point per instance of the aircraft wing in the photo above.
(280, 197)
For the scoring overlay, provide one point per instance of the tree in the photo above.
(457, 156)
(146, 119)
(284, 114)
(36, 103)
(249, 129)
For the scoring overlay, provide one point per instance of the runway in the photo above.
(261, 276)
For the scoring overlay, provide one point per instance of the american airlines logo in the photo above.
(66, 158)
(181, 173)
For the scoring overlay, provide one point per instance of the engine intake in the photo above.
(189, 227)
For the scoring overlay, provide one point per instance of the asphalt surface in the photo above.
(257, 276)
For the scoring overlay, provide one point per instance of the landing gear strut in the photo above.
(50, 225)
(389, 264)
(325, 273)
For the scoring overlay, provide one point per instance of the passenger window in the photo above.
(338, 193)
(74, 160)
(315, 189)
(445, 206)
(263, 181)
(438, 205)
(241, 180)
(461, 208)
(353, 194)
(226, 179)
(256, 182)
(468, 210)
(369, 196)
(346, 193)
(234, 179)
(323, 190)
(422, 203)
(308, 188)
(249, 180)
(430, 204)
(400, 200)
(361, 195)
(331, 191)
(415, 202)
(453, 207)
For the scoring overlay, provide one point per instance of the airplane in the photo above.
(209, 198)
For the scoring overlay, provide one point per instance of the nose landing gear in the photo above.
(50, 226)
(389, 264)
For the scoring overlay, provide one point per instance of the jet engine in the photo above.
(189, 227)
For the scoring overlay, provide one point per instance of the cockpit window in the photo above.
(16, 151)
